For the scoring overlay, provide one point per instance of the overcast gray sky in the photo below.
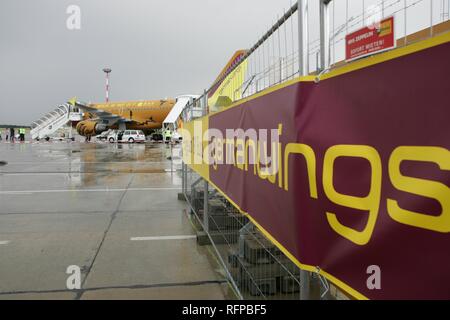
(156, 48)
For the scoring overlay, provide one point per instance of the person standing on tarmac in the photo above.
(11, 134)
(168, 135)
(6, 134)
(22, 134)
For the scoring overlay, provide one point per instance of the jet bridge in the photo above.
(181, 103)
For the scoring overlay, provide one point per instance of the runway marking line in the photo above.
(4, 242)
(162, 238)
(18, 192)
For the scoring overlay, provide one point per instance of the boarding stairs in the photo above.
(53, 121)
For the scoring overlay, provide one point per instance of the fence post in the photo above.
(324, 34)
(171, 156)
(205, 208)
(303, 41)
(182, 177)
(431, 18)
(406, 22)
(304, 285)
(183, 156)
(205, 103)
(185, 178)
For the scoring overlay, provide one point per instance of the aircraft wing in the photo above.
(99, 113)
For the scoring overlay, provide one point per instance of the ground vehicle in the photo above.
(104, 135)
(156, 136)
(176, 137)
(130, 136)
(171, 136)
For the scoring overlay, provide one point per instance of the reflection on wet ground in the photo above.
(94, 164)
(81, 204)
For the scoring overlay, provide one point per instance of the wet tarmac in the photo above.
(110, 209)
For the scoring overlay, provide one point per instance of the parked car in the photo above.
(130, 136)
(104, 135)
(156, 136)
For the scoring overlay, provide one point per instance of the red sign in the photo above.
(370, 40)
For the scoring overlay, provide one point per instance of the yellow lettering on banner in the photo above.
(195, 147)
(273, 163)
(310, 157)
(269, 171)
(186, 133)
(280, 166)
(250, 143)
(218, 152)
(230, 151)
(198, 142)
(279, 157)
(371, 202)
(240, 149)
(426, 188)
(208, 150)
(262, 174)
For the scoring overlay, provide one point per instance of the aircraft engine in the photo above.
(90, 128)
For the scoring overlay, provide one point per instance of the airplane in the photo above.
(150, 115)
(135, 115)
(92, 119)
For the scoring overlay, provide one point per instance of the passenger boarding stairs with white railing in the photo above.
(53, 121)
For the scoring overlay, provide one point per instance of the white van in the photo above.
(130, 136)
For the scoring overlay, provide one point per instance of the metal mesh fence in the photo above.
(256, 268)
(414, 20)
(274, 59)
